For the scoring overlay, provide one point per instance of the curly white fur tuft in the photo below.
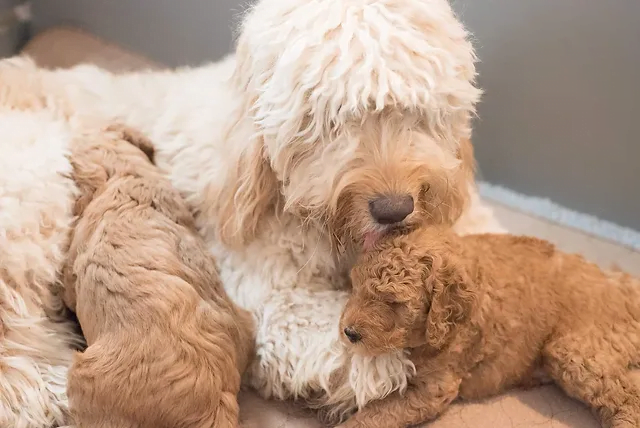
(311, 67)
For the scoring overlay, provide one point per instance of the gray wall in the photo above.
(12, 31)
(561, 110)
(561, 113)
(173, 32)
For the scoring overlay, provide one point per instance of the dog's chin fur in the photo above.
(329, 103)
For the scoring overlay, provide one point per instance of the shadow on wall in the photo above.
(560, 115)
(14, 26)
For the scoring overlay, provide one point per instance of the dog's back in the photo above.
(166, 345)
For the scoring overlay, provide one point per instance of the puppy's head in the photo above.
(408, 292)
(100, 154)
(356, 117)
(135, 138)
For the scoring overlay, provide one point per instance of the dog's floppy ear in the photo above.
(452, 185)
(249, 193)
(467, 157)
(251, 189)
(453, 298)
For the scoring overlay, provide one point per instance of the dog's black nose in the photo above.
(391, 209)
(352, 335)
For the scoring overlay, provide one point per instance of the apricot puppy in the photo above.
(481, 314)
(166, 347)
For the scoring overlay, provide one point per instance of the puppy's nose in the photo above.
(352, 335)
(391, 209)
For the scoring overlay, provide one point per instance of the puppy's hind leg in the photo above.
(587, 367)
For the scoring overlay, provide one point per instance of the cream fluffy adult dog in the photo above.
(166, 346)
(333, 123)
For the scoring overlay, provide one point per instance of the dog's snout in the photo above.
(352, 335)
(391, 209)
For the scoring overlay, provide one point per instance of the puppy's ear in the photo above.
(87, 175)
(134, 137)
(453, 298)
(249, 194)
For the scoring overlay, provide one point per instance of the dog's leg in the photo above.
(426, 399)
(599, 377)
(228, 411)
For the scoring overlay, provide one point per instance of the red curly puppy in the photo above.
(484, 313)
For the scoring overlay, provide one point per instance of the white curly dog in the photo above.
(335, 122)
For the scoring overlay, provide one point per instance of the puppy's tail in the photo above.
(134, 137)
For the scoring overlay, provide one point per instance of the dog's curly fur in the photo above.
(484, 313)
(278, 149)
(166, 346)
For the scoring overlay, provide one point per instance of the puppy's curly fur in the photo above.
(166, 345)
(483, 313)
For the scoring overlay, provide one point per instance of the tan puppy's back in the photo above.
(166, 345)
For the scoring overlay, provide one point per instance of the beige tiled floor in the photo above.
(545, 407)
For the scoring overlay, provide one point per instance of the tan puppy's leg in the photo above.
(426, 399)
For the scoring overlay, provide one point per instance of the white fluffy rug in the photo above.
(546, 209)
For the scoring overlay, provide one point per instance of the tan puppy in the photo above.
(166, 345)
(480, 314)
